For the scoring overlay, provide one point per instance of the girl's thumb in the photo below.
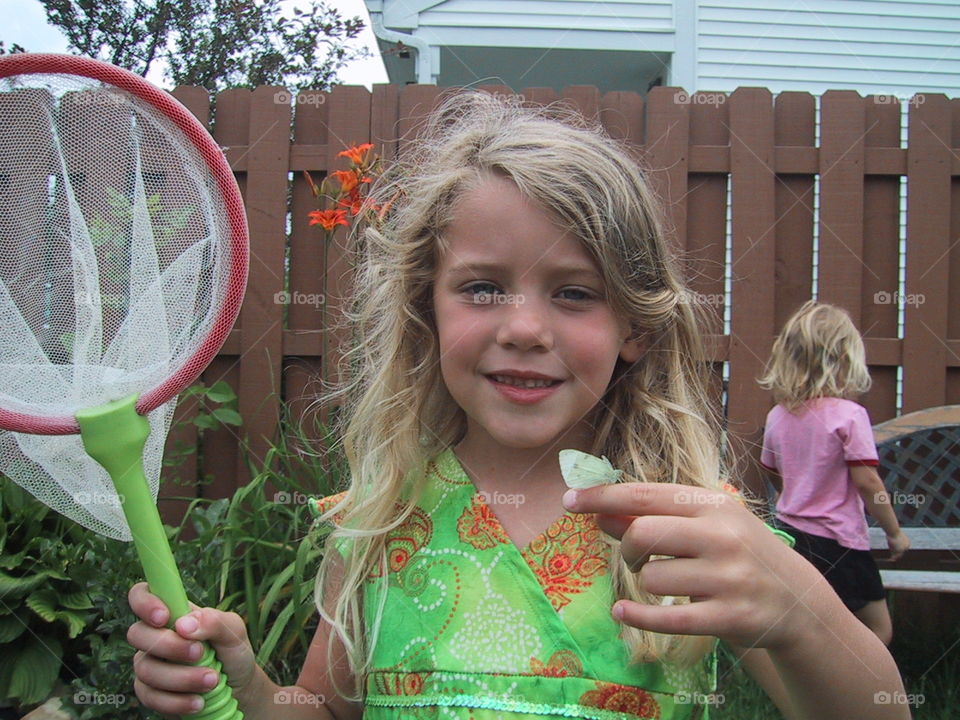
(227, 634)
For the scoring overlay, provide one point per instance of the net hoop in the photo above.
(179, 115)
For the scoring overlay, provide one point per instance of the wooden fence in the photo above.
(746, 156)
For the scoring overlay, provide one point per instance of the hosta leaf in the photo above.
(35, 669)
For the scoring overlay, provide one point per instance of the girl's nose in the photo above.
(525, 325)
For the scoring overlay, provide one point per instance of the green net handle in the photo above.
(114, 435)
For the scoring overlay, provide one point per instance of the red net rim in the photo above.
(172, 109)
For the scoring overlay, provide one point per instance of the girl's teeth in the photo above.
(524, 383)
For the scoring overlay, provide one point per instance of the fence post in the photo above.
(928, 248)
(752, 269)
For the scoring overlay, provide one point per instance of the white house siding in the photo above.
(876, 47)
(569, 15)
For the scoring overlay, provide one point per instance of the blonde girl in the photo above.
(818, 447)
(519, 298)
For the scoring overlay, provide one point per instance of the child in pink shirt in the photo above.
(818, 446)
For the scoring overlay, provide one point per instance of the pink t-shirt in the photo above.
(811, 450)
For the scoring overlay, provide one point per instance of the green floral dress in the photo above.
(476, 629)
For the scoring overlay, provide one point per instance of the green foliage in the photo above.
(14, 48)
(44, 604)
(252, 554)
(213, 43)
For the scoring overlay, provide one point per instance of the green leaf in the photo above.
(221, 392)
(43, 603)
(11, 627)
(35, 669)
(204, 421)
(76, 601)
(228, 416)
(15, 586)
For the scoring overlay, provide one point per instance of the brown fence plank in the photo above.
(262, 329)
(753, 266)
(384, 125)
(953, 304)
(795, 116)
(928, 248)
(706, 242)
(840, 266)
(348, 124)
(668, 132)
(621, 114)
(881, 253)
(585, 98)
(416, 102)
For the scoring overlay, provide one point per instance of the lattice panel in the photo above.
(922, 473)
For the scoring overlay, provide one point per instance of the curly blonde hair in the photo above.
(655, 420)
(819, 353)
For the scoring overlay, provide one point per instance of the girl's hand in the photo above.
(164, 680)
(747, 587)
(898, 545)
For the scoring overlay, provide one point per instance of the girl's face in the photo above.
(518, 301)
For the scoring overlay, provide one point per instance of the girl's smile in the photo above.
(528, 341)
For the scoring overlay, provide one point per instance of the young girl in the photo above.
(519, 299)
(818, 444)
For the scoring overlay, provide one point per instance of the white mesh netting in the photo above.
(112, 270)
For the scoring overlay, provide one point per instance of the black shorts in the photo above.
(852, 574)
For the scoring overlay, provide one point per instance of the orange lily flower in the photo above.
(356, 153)
(328, 219)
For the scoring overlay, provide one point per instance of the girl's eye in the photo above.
(479, 291)
(577, 294)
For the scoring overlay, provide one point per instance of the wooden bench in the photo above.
(920, 466)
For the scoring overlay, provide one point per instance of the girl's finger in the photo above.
(634, 498)
(148, 607)
(692, 619)
(172, 677)
(164, 644)
(658, 535)
(171, 704)
(680, 576)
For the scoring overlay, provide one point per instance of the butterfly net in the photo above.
(113, 270)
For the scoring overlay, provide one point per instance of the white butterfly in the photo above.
(581, 470)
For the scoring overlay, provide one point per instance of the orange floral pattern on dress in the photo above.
(404, 540)
(622, 698)
(479, 527)
(400, 683)
(567, 557)
(325, 503)
(563, 663)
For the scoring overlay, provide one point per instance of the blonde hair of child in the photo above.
(655, 421)
(818, 354)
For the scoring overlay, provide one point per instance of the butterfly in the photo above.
(581, 470)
